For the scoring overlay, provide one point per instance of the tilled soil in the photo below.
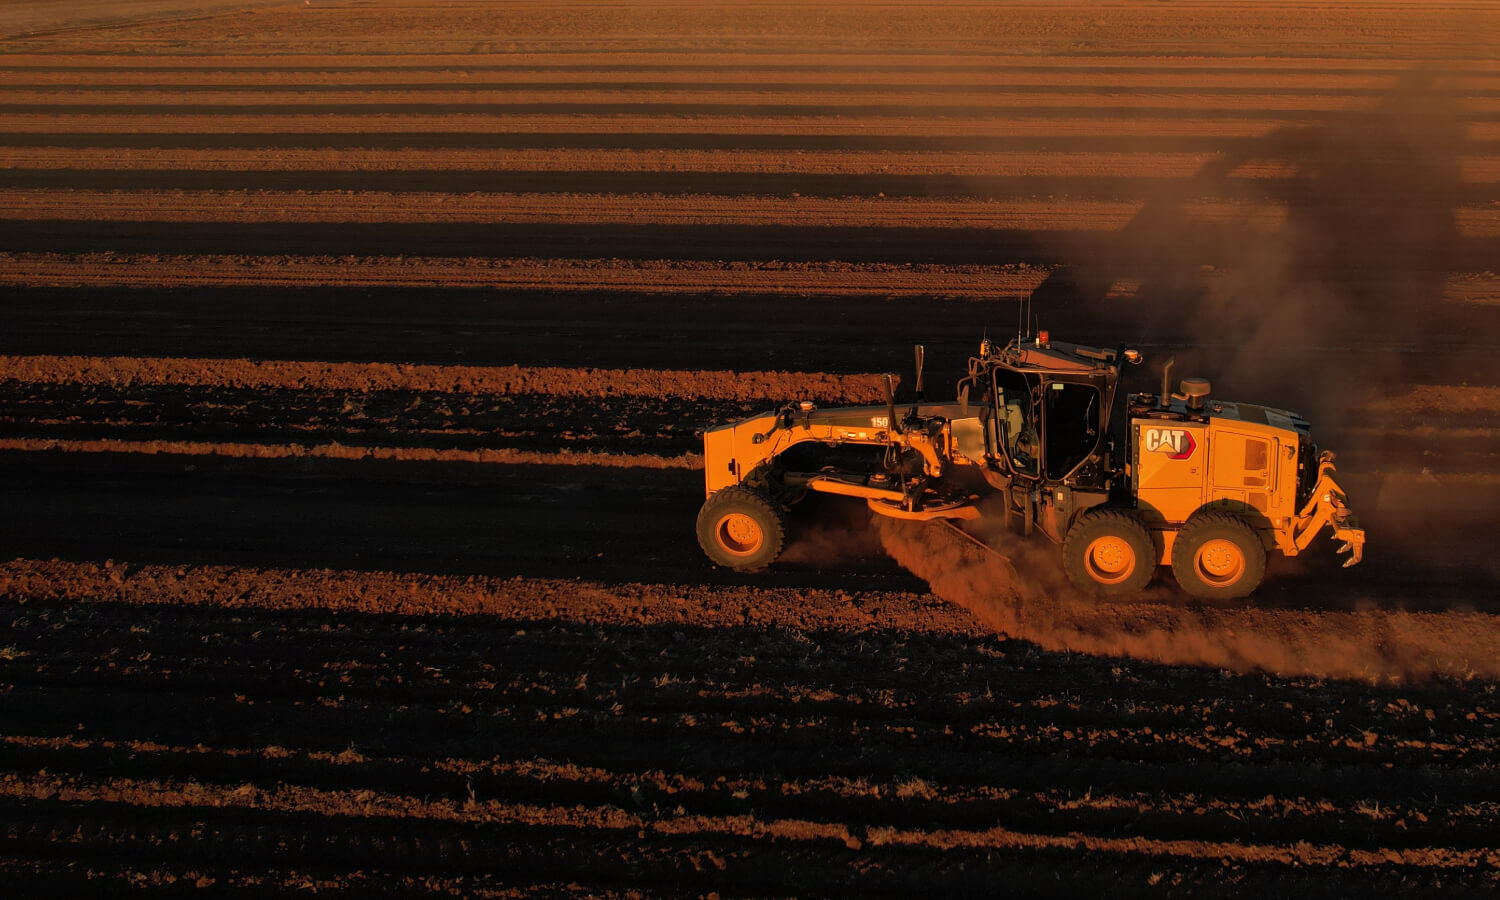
(353, 355)
(267, 733)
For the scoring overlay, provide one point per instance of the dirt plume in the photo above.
(831, 534)
(1027, 597)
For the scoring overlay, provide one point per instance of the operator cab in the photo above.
(1050, 416)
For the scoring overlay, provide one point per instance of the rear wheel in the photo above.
(1218, 556)
(1109, 552)
(741, 528)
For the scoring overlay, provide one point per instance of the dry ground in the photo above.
(351, 355)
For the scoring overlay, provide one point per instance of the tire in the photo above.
(1110, 553)
(1218, 556)
(741, 528)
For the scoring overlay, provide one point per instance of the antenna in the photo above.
(890, 407)
(921, 357)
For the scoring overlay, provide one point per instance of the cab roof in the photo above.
(1057, 356)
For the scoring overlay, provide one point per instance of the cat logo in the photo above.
(1175, 442)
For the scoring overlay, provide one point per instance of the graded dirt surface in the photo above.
(352, 356)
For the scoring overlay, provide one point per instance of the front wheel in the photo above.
(1218, 556)
(1109, 552)
(741, 528)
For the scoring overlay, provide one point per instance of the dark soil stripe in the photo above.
(747, 110)
(608, 140)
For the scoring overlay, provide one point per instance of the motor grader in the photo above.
(1041, 436)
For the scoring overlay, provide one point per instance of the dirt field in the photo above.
(352, 353)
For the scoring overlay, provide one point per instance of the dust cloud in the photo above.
(1027, 597)
(1306, 268)
(829, 532)
(1325, 279)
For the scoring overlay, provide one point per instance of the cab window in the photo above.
(1257, 463)
(1072, 426)
(1016, 428)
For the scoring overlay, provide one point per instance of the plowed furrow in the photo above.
(1022, 794)
(1003, 244)
(1260, 194)
(978, 130)
(758, 243)
(185, 162)
(368, 812)
(627, 210)
(758, 73)
(805, 282)
(674, 136)
(1381, 822)
(883, 719)
(442, 386)
(763, 65)
(550, 208)
(520, 98)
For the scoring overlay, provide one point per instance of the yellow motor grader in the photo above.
(1038, 435)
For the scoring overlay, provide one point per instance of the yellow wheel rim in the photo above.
(740, 534)
(1109, 559)
(1220, 562)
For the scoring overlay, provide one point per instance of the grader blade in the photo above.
(1010, 565)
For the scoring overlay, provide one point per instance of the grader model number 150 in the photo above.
(1123, 484)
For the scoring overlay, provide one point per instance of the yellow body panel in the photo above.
(730, 451)
(733, 454)
(1171, 473)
